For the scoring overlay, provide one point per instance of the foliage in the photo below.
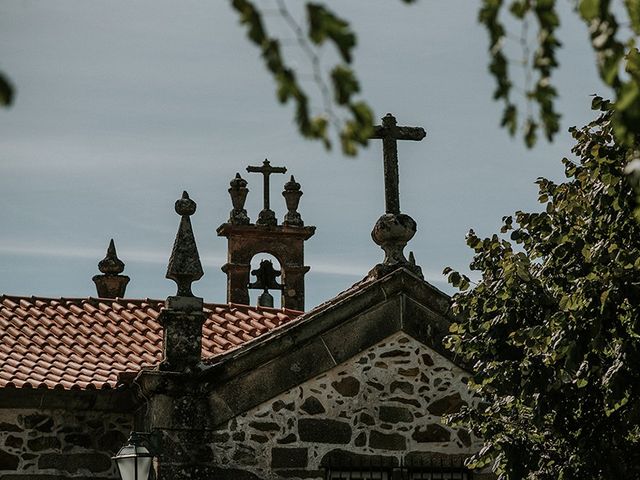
(552, 329)
(613, 42)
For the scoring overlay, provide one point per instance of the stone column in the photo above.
(237, 282)
(293, 280)
(177, 408)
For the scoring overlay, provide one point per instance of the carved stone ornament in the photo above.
(111, 264)
(184, 265)
(392, 232)
(238, 193)
(292, 194)
(111, 284)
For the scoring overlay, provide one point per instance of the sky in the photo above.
(122, 105)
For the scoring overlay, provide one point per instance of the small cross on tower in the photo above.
(266, 216)
(393, 230)
(390, 133)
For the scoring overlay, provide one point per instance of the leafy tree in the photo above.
(552, 329)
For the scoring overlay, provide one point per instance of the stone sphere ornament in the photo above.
(392, 231)
(185, 206)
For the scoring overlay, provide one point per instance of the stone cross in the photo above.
(266, 216)
(390, 133)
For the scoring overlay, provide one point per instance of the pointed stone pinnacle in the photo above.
(111, 264)
(111, 284)
(184, 265)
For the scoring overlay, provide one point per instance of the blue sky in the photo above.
(122, 105)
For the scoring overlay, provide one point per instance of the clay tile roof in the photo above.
(89, 343)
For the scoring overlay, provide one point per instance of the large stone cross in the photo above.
(390, 133)
(266, 216)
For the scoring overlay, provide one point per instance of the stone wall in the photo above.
(384, 405)
(42, 445)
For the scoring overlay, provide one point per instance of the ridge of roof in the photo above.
(387, 285)
(120, 300)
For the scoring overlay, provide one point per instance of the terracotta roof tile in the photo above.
(87, 343)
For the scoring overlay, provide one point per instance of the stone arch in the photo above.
(255, 264)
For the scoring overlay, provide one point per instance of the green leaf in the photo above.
(520, 8)
(324, 24)
(589, 9)
(633, 10)
(510, 119)
(345, 84)
(530, 135)
(6, 90)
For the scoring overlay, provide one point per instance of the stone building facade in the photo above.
(56, 443)
(385, 402)
(354, 388)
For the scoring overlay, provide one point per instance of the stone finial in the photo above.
(392, 232)
(184, 265)
(238, 192)
(111, 284)
(111, 264)
(292, 194)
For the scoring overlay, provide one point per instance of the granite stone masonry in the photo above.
(386, 402)
(39, 444)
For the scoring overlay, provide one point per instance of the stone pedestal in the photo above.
(182, 321)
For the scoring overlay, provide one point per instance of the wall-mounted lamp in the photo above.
(134, 459)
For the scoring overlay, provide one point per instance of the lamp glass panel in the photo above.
(127, 465)
(144, 465)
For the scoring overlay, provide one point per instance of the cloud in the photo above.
(160, 257)
(133, 256)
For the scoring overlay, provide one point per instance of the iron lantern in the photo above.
(134, 458)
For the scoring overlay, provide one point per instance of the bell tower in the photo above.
(284, 241)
